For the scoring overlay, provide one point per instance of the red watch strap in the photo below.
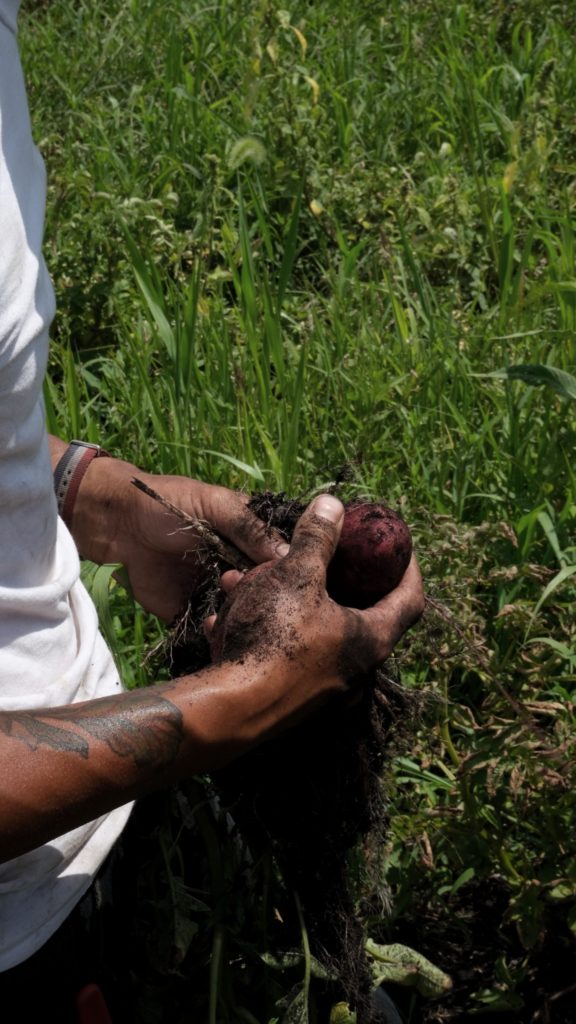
(69, 473)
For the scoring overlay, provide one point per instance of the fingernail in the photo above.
(328, 507)
(282, 550)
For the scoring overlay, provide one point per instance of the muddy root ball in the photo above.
(372, 556)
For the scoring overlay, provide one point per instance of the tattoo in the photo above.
(142, 726)
(34, 731)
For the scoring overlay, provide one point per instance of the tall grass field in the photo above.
(327, 242)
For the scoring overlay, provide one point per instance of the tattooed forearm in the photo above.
(147, 728)
(33, 731)
(142, 726)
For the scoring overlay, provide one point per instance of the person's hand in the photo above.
(281, 612)
(115, 522)
(163, 556)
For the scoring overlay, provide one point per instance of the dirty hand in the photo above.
(115, 522)
(282, 612)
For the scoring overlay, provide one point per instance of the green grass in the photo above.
(283, 243)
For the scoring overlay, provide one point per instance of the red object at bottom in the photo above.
(91, 1006)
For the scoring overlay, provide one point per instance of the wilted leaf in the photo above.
(342, 1014)
(314, 87)
(404, 966)
(301, 38)
(295, 1006)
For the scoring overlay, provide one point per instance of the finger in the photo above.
(393, 616)
(230, 516)
(208, 625)
(230, 579)
(410, 590)
(317, 532)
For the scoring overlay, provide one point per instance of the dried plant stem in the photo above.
(225, 551)
(444, 612)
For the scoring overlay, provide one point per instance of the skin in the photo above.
(114, 522)
(284, 647)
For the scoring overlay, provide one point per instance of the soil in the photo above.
(313, 800)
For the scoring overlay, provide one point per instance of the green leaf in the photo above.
(253, 471)
(498, 1001)
(294, 959)
(152, 296)
(295, 1006)
(562, 649)
(563, 891)
(558, 579)
(404, 966)
(550, 531)
(413, 772)
(462, 879)
(564, 384)
(290, 245)
(97, 580)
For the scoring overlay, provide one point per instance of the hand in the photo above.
(285, 646)
(162, 555)
(282, 612)
(115, 522)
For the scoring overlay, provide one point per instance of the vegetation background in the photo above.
(285, 241)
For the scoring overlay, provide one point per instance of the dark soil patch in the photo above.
(470, 940)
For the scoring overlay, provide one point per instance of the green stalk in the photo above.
(215, 963)
(306, 950)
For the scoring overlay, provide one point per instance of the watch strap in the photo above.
(69, 473)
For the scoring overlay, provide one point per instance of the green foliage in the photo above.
(284, 242)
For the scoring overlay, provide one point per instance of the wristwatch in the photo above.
(69, 472)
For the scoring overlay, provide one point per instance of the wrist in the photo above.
(69, 473)
(234, 706)
(100, 513)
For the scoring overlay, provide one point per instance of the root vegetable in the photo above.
(373, 553)
(372, 556)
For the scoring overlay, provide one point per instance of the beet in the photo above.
(373, 553)
(372, 556)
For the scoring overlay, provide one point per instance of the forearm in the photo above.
(57, 449)
(61, 767)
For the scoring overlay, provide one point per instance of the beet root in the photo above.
(372, 556)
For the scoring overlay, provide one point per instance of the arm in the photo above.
(285, 648)
(63, 766)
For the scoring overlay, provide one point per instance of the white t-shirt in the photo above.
(51, 652)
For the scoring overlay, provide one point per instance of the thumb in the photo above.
(317, 532)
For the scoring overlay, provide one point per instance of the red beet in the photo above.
(372, 556)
